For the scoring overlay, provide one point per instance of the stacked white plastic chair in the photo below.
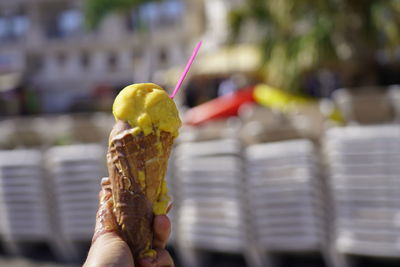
(211, 210)
(286, 199)
(24, 214)
(365, 180)
(76, 171)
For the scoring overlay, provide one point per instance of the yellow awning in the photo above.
(228, 60)
(224, 61)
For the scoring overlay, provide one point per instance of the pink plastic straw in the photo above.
(188, 65)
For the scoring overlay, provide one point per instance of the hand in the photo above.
(109, 249)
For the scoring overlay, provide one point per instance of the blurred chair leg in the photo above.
(256, 258)
(11, 247)
(63, 250)
(189, 256)
(334, 259)
(346, 260)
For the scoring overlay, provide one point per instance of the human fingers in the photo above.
(108, 248)
(163, 259)
(105, 220)
(162, 231)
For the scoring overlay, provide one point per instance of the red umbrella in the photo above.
(221, 107)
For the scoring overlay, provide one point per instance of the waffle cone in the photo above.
(137, 166)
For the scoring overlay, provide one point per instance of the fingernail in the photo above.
(150, 260)
(169, 207)
(104, 180)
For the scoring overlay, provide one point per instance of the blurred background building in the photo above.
(48, 54)
(289, 152)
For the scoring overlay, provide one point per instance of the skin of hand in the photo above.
(109, 249)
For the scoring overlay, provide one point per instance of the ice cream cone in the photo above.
(147, 122)
(137, 166)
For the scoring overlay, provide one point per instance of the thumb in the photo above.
(105, 220)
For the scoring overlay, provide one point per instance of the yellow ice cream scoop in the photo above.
(146, 106)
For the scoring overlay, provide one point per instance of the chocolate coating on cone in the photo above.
(129, 157)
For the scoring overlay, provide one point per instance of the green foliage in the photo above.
(96, 10)
(303, 35)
